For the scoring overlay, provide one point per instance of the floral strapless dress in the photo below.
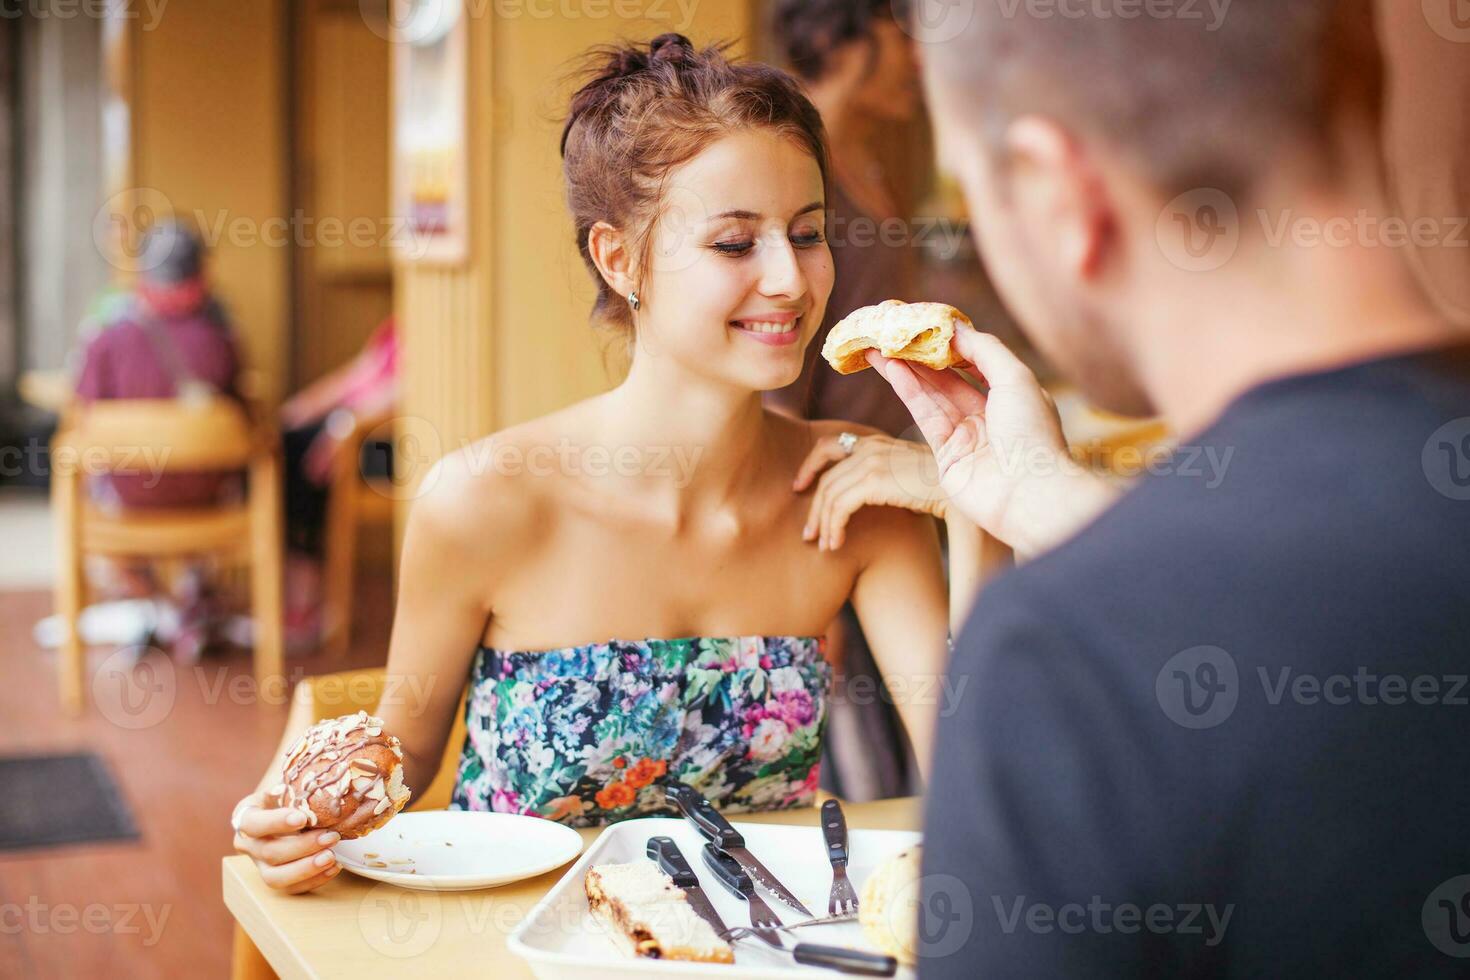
(587, 734)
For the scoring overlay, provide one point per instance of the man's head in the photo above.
(1072, 124)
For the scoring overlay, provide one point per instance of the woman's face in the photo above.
(739, 269)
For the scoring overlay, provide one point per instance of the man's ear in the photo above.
(1058, 190)
(612, 254)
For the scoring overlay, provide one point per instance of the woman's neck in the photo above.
(699, 440)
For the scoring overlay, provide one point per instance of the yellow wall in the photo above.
(209, 134)
(506, 336)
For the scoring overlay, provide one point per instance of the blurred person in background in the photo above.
(314, 423)
(858, 68)
(168, 337)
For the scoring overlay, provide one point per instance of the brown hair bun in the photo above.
(345, 774)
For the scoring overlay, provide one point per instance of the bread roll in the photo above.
(918, 332)
(648, 915)
(889, 906)
(346, 774)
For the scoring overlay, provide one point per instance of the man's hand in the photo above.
(1002, 458)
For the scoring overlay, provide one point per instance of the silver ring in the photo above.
(847, 442)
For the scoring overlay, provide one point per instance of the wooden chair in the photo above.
(352, 501)
(166, 435)
(329, 696)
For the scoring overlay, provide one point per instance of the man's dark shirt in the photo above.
(1224, 731)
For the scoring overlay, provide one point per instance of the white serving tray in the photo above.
(560, 938)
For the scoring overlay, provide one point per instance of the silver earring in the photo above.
(633, 300)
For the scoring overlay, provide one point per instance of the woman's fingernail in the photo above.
(296, 819)
(806, 534)
(332, 870)
(330, 837)
(324, 858)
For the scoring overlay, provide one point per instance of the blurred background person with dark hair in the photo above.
(858, 67)
(166, 338)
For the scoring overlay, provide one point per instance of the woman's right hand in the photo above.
(289, 858)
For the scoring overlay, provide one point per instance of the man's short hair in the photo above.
(1201, 93)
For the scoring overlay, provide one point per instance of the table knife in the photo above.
(666, 854)
(717, 830)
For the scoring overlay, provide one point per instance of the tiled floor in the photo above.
(149, 908)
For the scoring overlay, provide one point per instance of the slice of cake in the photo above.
(649, 916)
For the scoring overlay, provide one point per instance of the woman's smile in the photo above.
(776, 329)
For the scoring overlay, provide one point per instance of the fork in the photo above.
(763, 921)
(842, 900)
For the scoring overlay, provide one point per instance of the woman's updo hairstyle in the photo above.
(642, 111)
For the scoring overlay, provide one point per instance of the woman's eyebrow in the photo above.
(753, 216)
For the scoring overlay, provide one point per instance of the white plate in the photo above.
(456, 850)
(560, 938)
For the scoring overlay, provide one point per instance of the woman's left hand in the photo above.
(880, 472)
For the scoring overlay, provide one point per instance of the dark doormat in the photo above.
(60, 799)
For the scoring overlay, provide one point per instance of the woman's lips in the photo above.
(775, 332)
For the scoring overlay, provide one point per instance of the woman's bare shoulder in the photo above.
(497, 489)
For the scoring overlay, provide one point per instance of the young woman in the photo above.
(630, 585)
